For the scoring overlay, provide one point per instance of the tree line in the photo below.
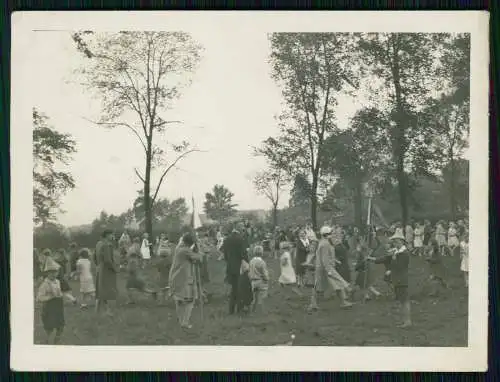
(413, 122)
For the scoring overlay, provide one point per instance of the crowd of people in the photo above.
(340, 258)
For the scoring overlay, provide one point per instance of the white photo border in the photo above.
(26, 356)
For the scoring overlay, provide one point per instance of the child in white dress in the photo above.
(84, 271)
(146, 248)
(464, 254)
(441, 237)
(287, 276)
(418, 240)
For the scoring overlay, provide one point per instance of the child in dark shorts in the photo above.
(51, 297)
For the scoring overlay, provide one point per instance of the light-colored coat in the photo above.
(182, 277)
(325, 267)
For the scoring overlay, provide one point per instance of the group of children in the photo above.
(52, 278)
(54, 269)
(392, 251)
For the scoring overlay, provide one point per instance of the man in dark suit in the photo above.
(235, 251)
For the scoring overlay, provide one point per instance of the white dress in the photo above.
(464, 252)
(287, 272)
(86, 280)
(419, 237)
(145, 253)
(453, 238)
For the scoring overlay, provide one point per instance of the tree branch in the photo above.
(184, 154)
(139, 175)
(111, 124)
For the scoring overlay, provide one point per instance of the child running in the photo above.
(84, 271)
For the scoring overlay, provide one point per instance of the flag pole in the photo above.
(197, 265)
(368, 224)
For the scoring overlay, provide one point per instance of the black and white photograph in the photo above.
(249, 191)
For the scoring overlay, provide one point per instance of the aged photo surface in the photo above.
(224, 187)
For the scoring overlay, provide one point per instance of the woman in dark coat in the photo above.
(342, 256)
(302, 249)
(107, 269)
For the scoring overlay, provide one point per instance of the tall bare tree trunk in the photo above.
(402, 188)
(401, 122)
(275, 215)
(147, 193)
(314, 202)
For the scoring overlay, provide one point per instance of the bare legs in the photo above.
(54, 336)
(184, 310)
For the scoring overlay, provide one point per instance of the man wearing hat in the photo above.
(325, 270)
(398, 261)
(235, 251)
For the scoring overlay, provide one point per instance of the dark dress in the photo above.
(300, 258)
(245, 294)
(106, 285)
(341, 254)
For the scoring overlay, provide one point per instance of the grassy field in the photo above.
(438, 321)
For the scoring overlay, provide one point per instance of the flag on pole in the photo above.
(195, 218)
(379, 214)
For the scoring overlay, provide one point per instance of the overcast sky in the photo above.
(229, 108)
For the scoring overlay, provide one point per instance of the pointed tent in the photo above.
(195, 218)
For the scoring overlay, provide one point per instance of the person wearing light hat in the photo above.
(325, 272)
(398, 261)
(51, 297)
